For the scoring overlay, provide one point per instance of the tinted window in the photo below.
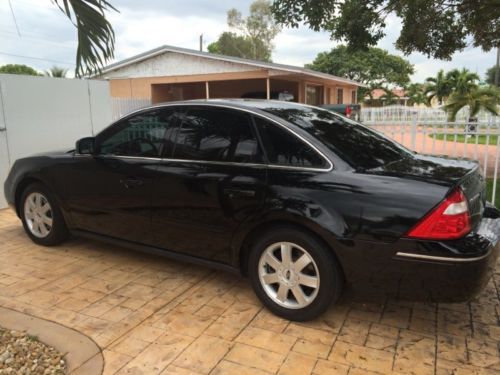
(140, 135)
(217, 135)
(284, 148)
(356, 144)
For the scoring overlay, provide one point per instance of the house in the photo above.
(171, 73)
(380, 97)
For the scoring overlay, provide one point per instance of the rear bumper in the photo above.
(451, 271)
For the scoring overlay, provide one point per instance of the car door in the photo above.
(110, 192)
(213, 181)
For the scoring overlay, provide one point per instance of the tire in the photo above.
(277, 285)
(44, 224)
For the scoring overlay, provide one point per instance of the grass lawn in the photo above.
(471, 140)
(489, 190)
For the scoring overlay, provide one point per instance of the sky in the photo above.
(44, 36)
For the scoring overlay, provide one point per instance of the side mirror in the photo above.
(85, 146)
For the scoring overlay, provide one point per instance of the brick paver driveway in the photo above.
(151, 315)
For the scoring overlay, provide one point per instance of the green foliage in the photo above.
(96, 38)
(256, 33)
(490, 75)
(436, 28)
(416, 94)
(389, 97)
(463, 138)
(438, 88)
(18, 69)
(462, 81)
(231, 44)
(56, 72)
(373, 66)
(482, 98)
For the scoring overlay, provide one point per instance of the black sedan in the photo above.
(302, 200)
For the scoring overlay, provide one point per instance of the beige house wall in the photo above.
(226, 85)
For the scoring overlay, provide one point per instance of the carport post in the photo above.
(268, 88)
(207, 90)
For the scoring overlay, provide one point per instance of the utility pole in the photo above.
(201, 42)
(497, 70)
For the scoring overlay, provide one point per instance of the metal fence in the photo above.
(123, 106)
(428, 131)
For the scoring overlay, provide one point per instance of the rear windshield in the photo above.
(358, 145)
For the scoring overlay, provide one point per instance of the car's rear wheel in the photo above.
(294, 274)
(42, 219)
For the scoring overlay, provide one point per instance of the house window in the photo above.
(340, 96)
(313, 95)
(353, 97)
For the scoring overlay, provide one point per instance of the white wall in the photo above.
(43, 113)
(174, 64)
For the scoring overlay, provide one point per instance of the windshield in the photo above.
(358, 145)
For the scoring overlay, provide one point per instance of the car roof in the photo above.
(258, 104)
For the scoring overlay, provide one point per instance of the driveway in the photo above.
(150, 315)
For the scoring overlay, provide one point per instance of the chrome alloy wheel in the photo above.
(289, 275)
(38, 215)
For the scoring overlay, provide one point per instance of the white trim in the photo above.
(440, 258)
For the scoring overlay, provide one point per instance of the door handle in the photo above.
(131, 183)
(239, 193)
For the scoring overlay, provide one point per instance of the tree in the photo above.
(389, 97)
(436, 28)
(490, 75)
(415, 93)
(258, 31)
(18, 69)
(96, 38)
(482, 98)
(231, 44)
(437, 88)
(56, 71)
(373, 67)
(462, 81)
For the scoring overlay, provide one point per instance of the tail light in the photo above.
(449, 220)
(348, 111)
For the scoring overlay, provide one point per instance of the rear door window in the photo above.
(286, 149)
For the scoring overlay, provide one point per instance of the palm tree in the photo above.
(389, 97)
(462, 81)
(485, 98)
(56, 72)
(437, 87)
(96, 38)
(415, 93)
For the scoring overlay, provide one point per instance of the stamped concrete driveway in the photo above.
(150, 315)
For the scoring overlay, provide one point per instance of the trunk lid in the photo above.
(444, 171)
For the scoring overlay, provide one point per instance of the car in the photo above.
(303, 201)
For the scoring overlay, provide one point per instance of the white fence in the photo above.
(424, 114)
(123, 106)
(428, 131)
(40, 114)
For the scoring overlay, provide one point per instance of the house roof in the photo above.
(238, 60)
(378, 93)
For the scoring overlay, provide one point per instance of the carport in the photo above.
(218, 89)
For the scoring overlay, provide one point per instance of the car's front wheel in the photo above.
(42, 219)
(294, 274)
